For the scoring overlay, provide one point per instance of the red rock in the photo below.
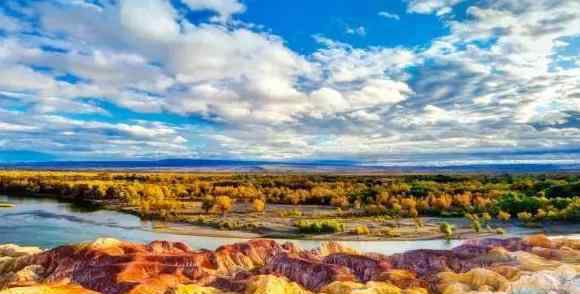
(312, 275)
(427, 262)
(365, 268)
(122, 267)
(510, 244)
(113, 267)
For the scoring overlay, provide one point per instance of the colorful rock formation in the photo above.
(535, 264)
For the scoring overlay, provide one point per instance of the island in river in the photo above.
(319, 206)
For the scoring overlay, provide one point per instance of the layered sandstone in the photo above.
(534, 264)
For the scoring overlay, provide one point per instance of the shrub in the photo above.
(294, 212)
(207, 203)
(374, 209)
(475, 221)
(230, 225)
(486, 217)
(525, 217)
(572, 212)
(361, 230)
(413, 213)
(540, 215)
(340, 202)
(393, 232)
(504, 216)
(202, 220)
(318, 227)
(446, 229)
(418, 223)
(476, 225)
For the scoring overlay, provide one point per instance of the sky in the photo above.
(365, 80)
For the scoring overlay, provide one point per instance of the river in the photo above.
(48, 223)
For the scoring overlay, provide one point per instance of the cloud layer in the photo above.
(72, 71)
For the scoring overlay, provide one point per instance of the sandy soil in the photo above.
(278, 222)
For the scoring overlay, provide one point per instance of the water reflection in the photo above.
(48, 223)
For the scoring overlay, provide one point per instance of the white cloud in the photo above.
(379, 92)
(149, 19)
(98, 140)
(24, 79)
(225, 8)
(494, 83)
(389, 15)
(9, 24)
(359, 31)
(9, 127)
(439, 7)
(343, 63)
(328, 100)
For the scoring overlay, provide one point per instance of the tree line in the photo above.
(541, 196)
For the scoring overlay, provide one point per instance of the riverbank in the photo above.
(318, 207)
(277, 222)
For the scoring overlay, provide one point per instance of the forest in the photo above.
(528, 197)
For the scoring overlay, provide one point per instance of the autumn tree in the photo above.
(259, 205)
(340, 201)
(223, 204)
(207, 203)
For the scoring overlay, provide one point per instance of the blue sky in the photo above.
(369, 80)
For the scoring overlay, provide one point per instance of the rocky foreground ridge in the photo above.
(534, 264)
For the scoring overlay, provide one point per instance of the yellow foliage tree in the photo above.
(223, 204)
(259, 205)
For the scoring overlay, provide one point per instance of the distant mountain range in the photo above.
(302, 166)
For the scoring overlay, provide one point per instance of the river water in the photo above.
(48, 223)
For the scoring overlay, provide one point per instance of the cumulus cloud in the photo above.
(439, 7)
(495, 82)
(149, 19)
(92, 139)
(224, 8)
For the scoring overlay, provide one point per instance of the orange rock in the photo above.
(563, 253)
(111, 266)
(403, 279)
(570, 243)
(539, 241)
(273, 285)
(28, 276)
(49, 289)
(329, 248)
(476, 279)
(511, 273)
